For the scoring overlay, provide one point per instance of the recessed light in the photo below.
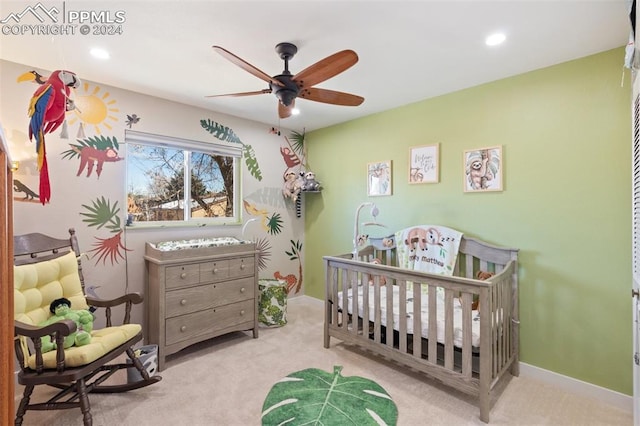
(295, 111)
(99, 53)
(495, 39)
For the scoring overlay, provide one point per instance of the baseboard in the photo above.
(617, 399)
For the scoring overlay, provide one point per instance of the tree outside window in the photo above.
(159, 174)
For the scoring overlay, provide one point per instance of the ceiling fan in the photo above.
(287, 87)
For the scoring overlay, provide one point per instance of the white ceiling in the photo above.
(408, 50)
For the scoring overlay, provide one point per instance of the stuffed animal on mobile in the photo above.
(61, 310)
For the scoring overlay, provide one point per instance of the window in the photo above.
(178, 181)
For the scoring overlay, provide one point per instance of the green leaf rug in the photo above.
(315, 397)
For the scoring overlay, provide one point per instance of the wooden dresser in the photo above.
(194, 294)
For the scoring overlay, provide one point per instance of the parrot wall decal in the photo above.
(47, 110)
(33, 76)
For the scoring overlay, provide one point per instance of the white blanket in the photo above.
(457, 313)
(428, 248)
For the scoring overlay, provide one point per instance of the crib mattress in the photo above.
(457, 313)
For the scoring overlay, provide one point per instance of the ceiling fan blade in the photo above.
(257, 92)
(246, 66)
(285, 111)
(330, 97)
(326, 68)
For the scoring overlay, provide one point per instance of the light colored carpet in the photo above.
(225, 381)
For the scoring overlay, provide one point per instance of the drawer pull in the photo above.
(183, 302)
(215, 270)
(183, 275)
(183, 328)
(242, 290)
(242, 312)
(242, 266)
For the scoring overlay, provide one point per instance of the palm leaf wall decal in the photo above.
(225, 134)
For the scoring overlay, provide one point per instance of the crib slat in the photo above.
(468, 269)
(503, 334)
(467, 314)
(334, 294)
(498, 327)
(354, 302)
(448, 329)
(377, 313)
(487, 336)
(433, 324)
(402, 300)
(366, 313)
(417, 321)
(390, 313)
(507, 318)
(346, 279)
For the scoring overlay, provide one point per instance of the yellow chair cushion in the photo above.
(38, 284)
(103, 341)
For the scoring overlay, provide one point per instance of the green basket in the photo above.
(273, 303)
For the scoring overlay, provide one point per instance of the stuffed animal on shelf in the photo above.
(310, 182)
(293, 183)
(61, 310)
(288, 188)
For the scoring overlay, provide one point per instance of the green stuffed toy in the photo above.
(61, 310)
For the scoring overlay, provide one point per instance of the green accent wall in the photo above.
(565, 131)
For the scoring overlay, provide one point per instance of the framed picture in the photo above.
(379, 178)
(483, 169)
(424, 164)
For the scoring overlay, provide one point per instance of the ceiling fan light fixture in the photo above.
(495, 39)
(286, 96)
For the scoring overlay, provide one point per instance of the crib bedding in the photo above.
(424, 301)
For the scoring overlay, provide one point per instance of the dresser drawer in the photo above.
(214, 271)
(208, 321)
(241, 267)
(192, 299)
(187, 300)
(234, 291)
(182, 275)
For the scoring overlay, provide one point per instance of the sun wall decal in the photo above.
(94, 107)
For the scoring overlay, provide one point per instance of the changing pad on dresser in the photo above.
(197, 243)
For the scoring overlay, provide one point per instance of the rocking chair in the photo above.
(46, 269)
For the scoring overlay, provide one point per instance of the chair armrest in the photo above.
(63, 327)
(128, 300)
(58, 330)
(134, 298)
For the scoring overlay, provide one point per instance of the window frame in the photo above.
(188, 146)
